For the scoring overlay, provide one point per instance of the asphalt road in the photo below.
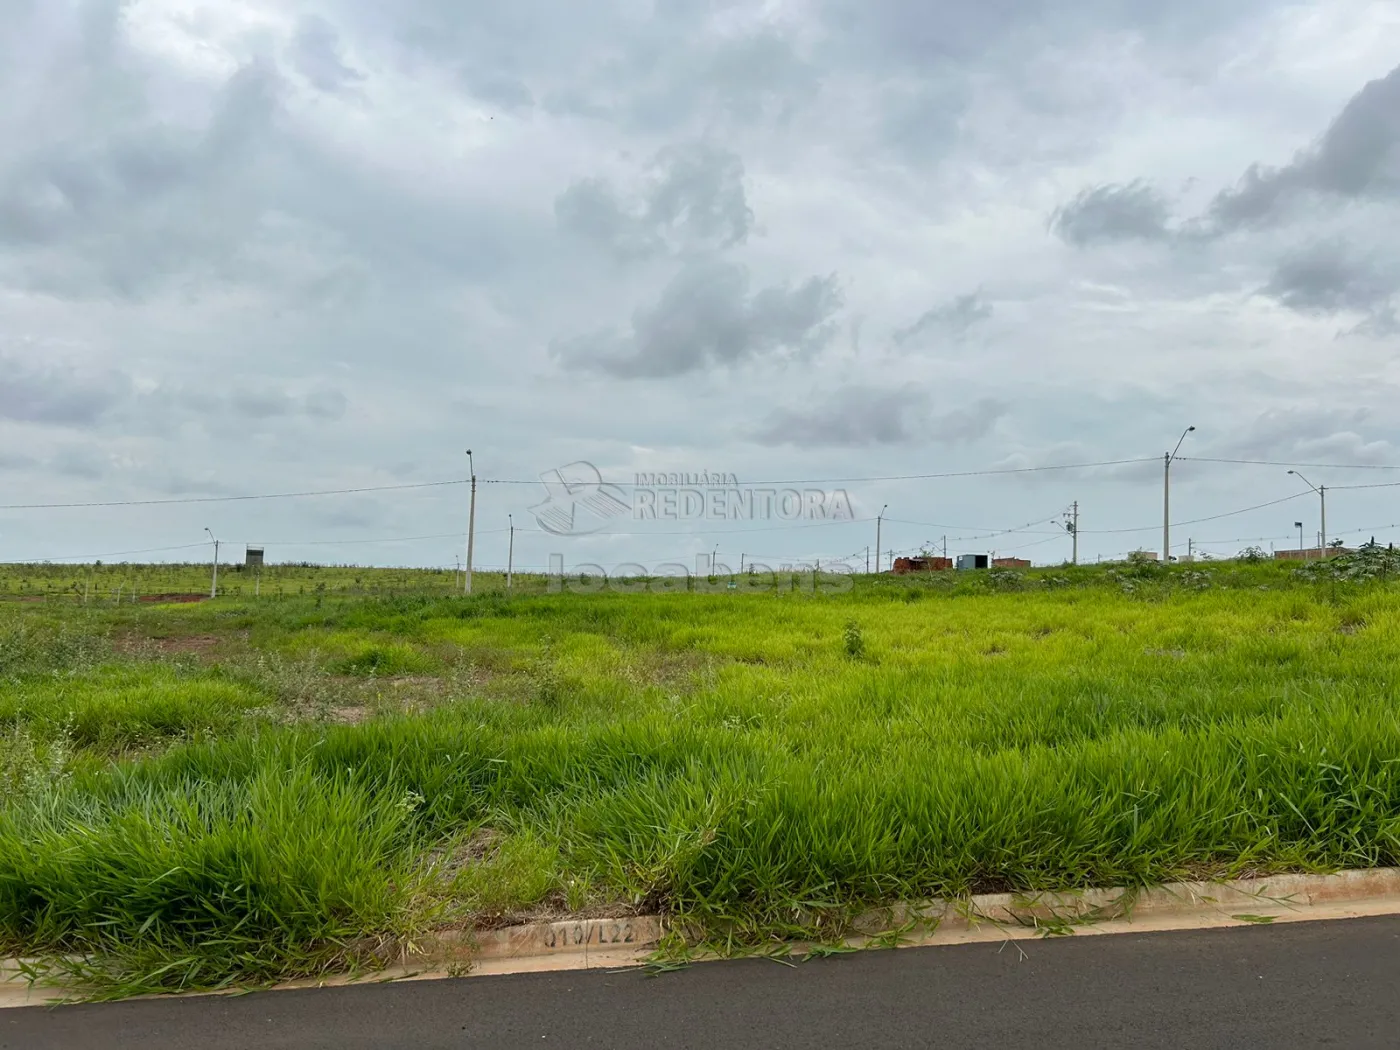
(1296, 985)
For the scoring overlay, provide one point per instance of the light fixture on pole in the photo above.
(1167, 498)
(1321, 491)
(1301, 551)
(471, 524)
(214, 585)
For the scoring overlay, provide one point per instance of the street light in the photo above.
(1321, 491)
(879, 523)
(1299, 526)
(214, 586)
(1167, 498)
(471, 523)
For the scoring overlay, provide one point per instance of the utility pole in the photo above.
(1302, 551)
(214, 586)
(1074, 531)
(867, 559)
(879, 523)
(510, 555)
(471, 524)
(1167, 498)
(945, 548)
(1322, 495)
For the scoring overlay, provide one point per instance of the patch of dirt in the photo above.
(205, 647)
(174, 598)
(349, 716)
(448, 863)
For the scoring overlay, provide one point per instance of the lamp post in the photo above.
(1167, 498)
(214, 585)
(471, 524)
(1299, 526)
(879, 524)
(1321, 491)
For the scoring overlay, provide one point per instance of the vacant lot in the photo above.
(240, 790)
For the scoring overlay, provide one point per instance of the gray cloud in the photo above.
(1358, 157)
(316, 53)
(920, 32)
(861, 416)
(706, 317)
(1307, 433)
(953, 318)
(82, 463)
(1113, 212)
(261, 403)
(1326, 278)
(117, 200)
(374, 204)
(325, 404)
(57, 395)
(694, 197)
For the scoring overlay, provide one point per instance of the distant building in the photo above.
(904, 566)
(253, 560)
(1011, 563)
(973, 561)
(1311, 554)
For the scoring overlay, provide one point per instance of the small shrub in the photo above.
(855, 642)
(1003, 579)
(29, 767)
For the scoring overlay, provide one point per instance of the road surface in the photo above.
(1300, 984)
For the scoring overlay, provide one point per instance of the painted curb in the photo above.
(628, 942)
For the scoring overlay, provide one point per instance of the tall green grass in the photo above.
(734, 761)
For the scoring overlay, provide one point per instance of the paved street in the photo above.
(1295, 985)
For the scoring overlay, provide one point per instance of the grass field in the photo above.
(243, 790)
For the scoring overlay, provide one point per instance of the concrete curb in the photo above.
(587, 944)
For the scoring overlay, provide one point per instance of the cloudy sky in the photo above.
(271, 245)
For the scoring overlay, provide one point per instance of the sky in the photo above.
(268, 246)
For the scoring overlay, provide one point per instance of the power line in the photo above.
(112, 554)
(1197, 521)
(1283, 463)
(984, 534)
(1377, 485)
(985, 472)
(231, 499)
